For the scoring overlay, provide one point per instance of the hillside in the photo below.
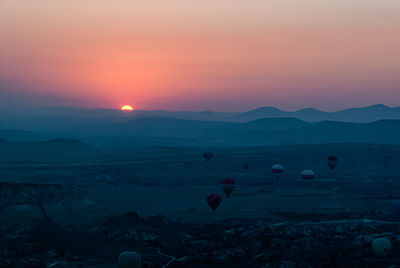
(268, 131)
(65, 119)
(57, 150)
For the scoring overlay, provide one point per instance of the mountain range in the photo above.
(263, 126)
(358, 115)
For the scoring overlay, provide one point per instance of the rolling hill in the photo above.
(63, 119)
(262, 126)
(268, 131)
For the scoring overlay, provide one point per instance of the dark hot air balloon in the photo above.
(129, 259)
(228, 185)
(381, 246)
(332, 162)
(207, 156)
(214, 200)
(245, 165)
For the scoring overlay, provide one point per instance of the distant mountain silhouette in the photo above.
(179, 132)
(366, 114)
(262, 126)
(64, 122)
(356, 115)
(60, 118)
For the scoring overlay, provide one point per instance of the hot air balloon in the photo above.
(332, 162)
(214, 200)
(308, 175)
(129, 259)
(381, 246)
(245, 165)
(228, 185)
(207, 156)
(277, 169)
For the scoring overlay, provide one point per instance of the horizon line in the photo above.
(214, 111)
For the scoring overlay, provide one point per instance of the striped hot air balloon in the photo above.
(278, 169)
(214, 200)
(228, 185)
(129, 259)
(308, 174)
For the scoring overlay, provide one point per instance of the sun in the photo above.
(127, 108)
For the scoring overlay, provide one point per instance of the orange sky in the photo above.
(219, 55)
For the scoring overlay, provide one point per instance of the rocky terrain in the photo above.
(83, 208)
(296, 240)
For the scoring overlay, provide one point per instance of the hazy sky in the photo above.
(208, 54)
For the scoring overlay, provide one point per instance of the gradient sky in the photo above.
(228, 55)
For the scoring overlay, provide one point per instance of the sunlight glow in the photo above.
(127, 108)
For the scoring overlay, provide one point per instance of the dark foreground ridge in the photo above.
(337, 240)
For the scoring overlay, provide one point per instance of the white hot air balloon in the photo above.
(278, 169)
(129, 259)
(381, 246)
(308, 175)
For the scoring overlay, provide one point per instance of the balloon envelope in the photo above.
(381, 246)
(245, 165)
(278, 169)
(207, 156)
(129, 259)
(214, 200)
(308, 174)
(228, 185)
(332, 162)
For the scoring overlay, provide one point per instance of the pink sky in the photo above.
(218, 55)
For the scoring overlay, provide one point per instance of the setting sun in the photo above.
(127, 108)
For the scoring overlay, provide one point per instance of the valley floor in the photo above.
(153, 201)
